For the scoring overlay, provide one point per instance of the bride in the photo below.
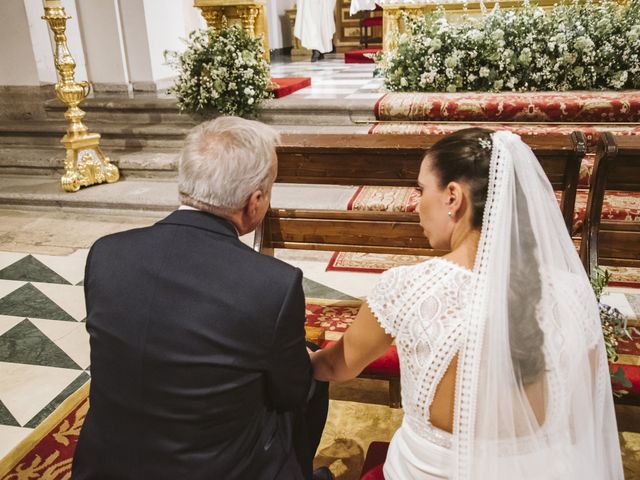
(504, 371)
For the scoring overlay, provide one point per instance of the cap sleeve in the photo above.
(385, 300)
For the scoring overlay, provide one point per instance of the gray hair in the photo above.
(225, 160)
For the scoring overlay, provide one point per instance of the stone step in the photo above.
(138, 195)
(148, 195)
(154, 109)
(25, 160)
(139, 151)
(143, 135)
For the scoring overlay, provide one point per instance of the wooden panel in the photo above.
(358, 248)
(347, 27)
(354, 169)
(347, 232)
(624, 171)
(392, 160)
(617, 167)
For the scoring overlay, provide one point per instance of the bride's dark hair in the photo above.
(465, 156)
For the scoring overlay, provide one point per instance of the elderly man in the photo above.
(198, 360)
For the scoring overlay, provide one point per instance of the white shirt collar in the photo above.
(189, 207)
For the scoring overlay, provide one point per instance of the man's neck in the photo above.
(190, 204)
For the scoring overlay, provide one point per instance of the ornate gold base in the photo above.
(85, 163)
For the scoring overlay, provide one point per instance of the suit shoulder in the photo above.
(116, 239)
(274, 265)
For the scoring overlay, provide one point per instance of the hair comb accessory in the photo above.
(485, 144)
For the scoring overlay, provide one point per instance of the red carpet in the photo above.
(287, 86)
(358, 56)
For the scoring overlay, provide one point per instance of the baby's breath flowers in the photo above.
(220, 72)
(573, 46)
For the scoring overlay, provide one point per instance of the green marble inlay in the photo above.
(6, 418)
(317, 290)
(55, 403)
(28, 301)
(30, 269)
(24, 343)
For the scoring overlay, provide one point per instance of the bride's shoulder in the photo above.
(419, 272)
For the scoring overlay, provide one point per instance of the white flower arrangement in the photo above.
(573, 46)
(220, 72)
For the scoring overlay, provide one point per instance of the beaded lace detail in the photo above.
(423, 308)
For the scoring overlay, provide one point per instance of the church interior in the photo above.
(90, 139)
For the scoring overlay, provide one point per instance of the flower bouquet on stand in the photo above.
(221, 72)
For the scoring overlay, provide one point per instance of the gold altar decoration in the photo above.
(84, 164)
(250, 14)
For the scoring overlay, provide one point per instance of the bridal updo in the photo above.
(465, 157)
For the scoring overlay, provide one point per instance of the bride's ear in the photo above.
(454, 199)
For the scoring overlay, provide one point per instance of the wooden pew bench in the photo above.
(392, 160)
(616, 168)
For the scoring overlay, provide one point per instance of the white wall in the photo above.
(18, 65)
(165, 28)
(115, 43)
(41, 42)
(103, 43)
(149, 28)
(278, 24)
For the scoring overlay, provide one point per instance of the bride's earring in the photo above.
(450, 214)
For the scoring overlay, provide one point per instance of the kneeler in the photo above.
(387, 367)
(373, 462)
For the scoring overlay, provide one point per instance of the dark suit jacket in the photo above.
(197, 347)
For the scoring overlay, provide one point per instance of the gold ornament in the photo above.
(84, 164)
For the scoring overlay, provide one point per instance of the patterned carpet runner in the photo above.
(47, 453)
(525, 113)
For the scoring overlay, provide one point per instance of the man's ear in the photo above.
(252, 206)
(253, 202)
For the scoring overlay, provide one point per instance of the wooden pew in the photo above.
(382, 160)
(616, 168)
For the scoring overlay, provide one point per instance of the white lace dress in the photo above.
(422, 307)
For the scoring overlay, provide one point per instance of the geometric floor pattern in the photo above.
(44, 346)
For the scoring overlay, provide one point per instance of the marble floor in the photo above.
(332, 79)
(44, 350)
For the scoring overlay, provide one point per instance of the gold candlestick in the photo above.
(84, 164)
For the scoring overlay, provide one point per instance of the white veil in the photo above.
(533, 399)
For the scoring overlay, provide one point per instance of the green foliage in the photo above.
(576, 46)
(614, 328)
(220, 72)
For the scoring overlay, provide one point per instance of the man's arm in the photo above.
(288, 366)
